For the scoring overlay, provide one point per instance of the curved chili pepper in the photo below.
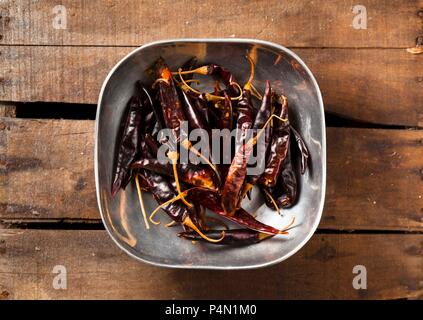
(162, 192)
(287, 185)
(212, 200)
(154, 113)
(238, 237)
(202, 107)
(278, 146)
(195, 119)
(302, 148)
(127, 147)
(263, 114)
(189, 173)
(238, 169)
(220, 72)
(173, 113)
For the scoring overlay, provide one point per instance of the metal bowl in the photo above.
(160, 246)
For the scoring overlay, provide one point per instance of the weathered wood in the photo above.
(374, 176)
(374, 85)
(394, 23)
(96, 269)
(375, 179)
(7, 109)
(46, 169)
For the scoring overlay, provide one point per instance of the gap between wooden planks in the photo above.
(394, 23)
(374, 85)
(375, 177)
(97, 269)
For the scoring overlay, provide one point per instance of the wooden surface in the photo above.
(376, 85)
(392, 23)
(98, 269)
(53, 159)
(373, 213)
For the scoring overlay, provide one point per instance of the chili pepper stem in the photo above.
(209, 96)
(141, 201)
(247, 187)
(170, 224)
(256, 93)
(284, 230)
(178, 197)
(188, 222)
(253, 140)
(269, 195)
(201, 70)
(248, 85)
(263, 236)
(173, 156)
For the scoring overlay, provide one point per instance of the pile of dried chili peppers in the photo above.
(184, 190)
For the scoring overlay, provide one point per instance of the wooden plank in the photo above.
(7, 109)
(46, 169)
(394, 23)
(374, 176)
(374, 85)
(96, 269)
(375, 179)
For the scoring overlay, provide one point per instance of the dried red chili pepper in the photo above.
(212, 200)
(278, 146)
(127, 147)
(236, 237)
(164, 193)
(218, 71)
(263, 114)
(195, 119)
(286, 188)
(199, 176)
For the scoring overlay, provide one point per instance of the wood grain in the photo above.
(374, 176)
(393, 23)
(97, 269)
(46, 169)
(372, 85)
(7, 109)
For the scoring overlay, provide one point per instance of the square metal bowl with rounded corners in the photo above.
(160, 245)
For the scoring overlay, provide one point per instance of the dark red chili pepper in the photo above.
(286, 187)
(221, 73)
(154, 115)
(278, 146)
(127, 147)
(212, 201)
(200, 176)
(195, 119)
(173, 113)
(262, 116)
(201, 106)
(151, 144)
(163, 191)
(226, 112)
(237, 237)
(238, 169)
(302, 148)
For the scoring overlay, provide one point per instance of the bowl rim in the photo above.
(323, 150)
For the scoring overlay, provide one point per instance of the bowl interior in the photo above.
(160, 245)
